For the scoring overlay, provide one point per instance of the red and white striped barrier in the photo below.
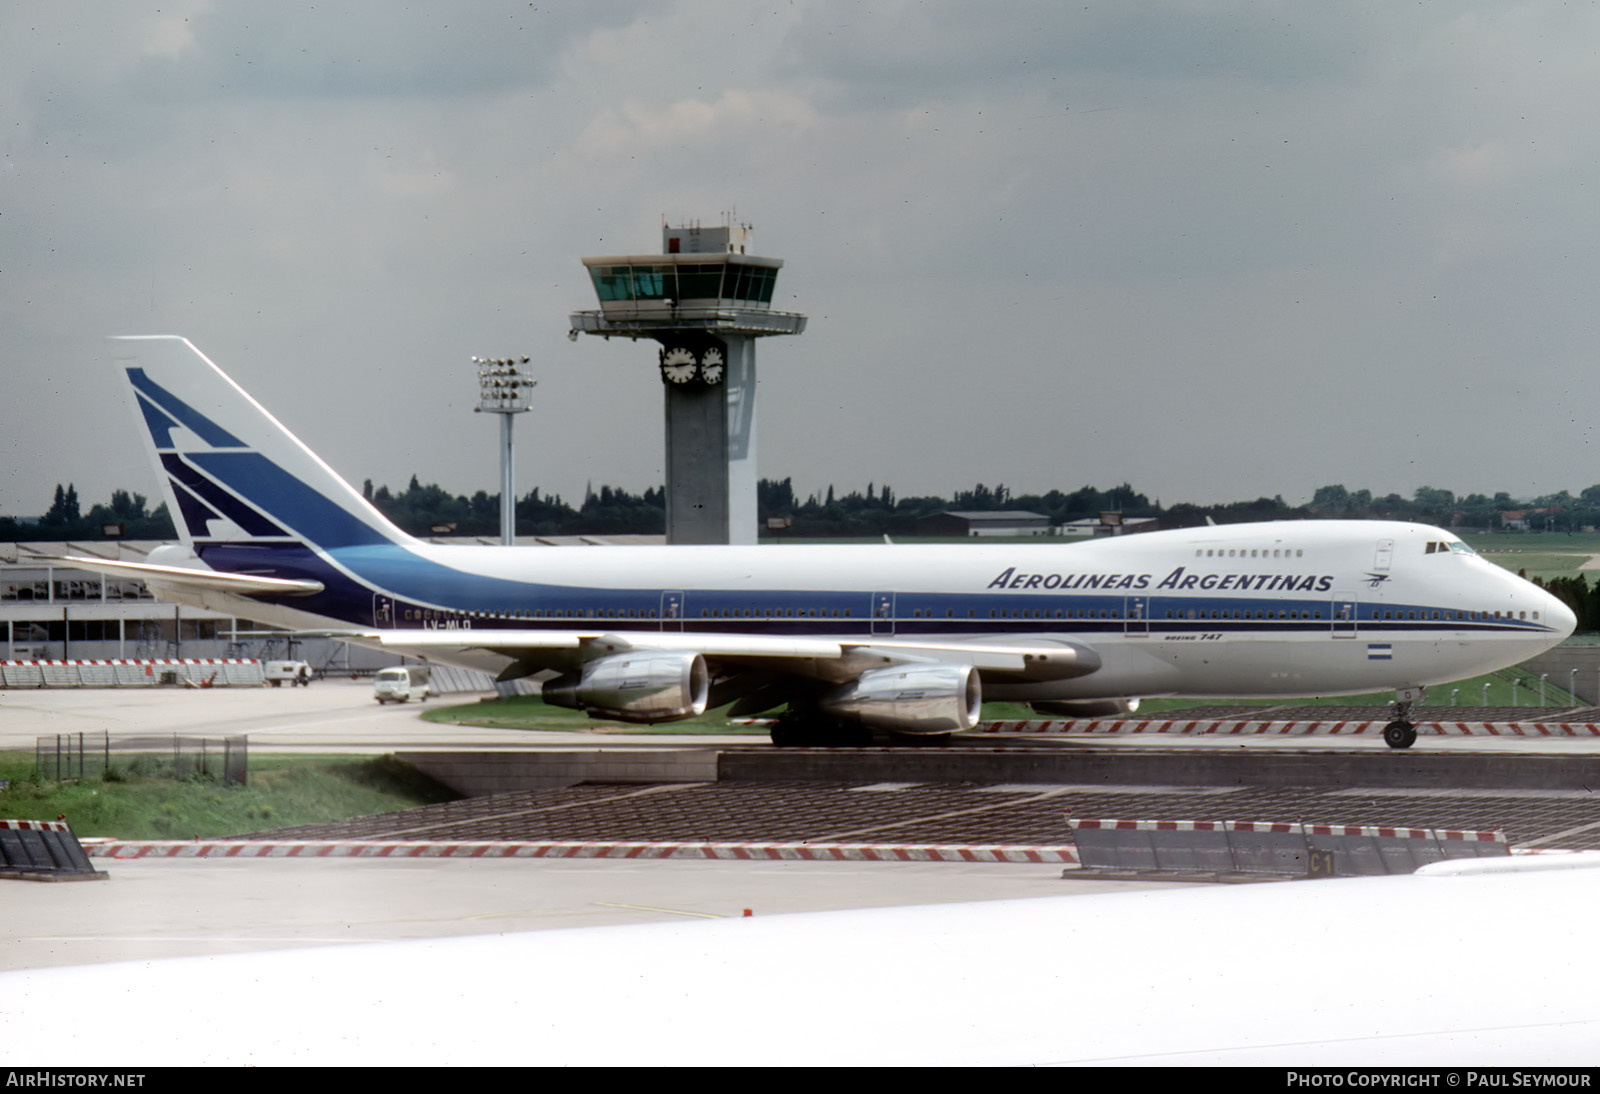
(1103, 727)
(36, 826)
(119, 672)
(1371, 832)
(142, 662)
(43, 850)
(1104, 825)
(806, 852)
(1288, 827)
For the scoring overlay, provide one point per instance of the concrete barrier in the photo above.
(1237, 727)
(1271, 849)
(615, 849)
(43, 851)
(21, 674)
(201, 672)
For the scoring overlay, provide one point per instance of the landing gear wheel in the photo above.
(812, 728)
(919, 740)
(850, 735)
(787, 734)
(1399, 734)
(795, 729)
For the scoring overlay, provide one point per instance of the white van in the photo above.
(397, 685)
(278, 673)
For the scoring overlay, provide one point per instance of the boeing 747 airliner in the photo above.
(843, 639)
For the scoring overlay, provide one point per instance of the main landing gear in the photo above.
(1401, 733)
(809, 726)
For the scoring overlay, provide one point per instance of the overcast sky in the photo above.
(1216, 250)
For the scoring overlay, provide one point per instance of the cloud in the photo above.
(734, 118)
(1214, 249)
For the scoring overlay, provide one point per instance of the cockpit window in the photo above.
(1454, 546)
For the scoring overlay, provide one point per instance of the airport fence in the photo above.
(66, 757)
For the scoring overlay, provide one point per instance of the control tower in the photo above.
(706, 301)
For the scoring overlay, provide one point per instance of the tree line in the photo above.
(1576, 593)
(428, 509)
(425, 510)
(65, 519)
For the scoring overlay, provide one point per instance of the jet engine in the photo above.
(648, 686)
(919, 698)
(1085, 708)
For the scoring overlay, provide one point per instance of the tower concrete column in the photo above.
(743, 519)
(697, 453)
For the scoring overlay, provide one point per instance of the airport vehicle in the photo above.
(278, 673)
(401, 684)
(847, 639)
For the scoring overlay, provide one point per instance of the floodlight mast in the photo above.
(706, 301)
(505, 388)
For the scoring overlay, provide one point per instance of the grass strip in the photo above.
(133, 800)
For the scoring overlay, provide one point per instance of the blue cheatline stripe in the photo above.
(449, 594)
(190, 418)
(280, 495)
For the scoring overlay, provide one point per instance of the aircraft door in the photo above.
(382, 611)
(1136, 612)
(672, 611)
(1343, 613)
(882, 613)
(1384, 556)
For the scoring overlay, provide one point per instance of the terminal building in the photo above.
(986, 522)
(51, 611)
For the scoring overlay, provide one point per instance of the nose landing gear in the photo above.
(1401, 733)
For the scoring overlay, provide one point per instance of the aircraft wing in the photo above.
(1045, 660)
(1452, 990)
(186, 577)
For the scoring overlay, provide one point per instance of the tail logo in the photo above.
(209, 512)
(234, 473)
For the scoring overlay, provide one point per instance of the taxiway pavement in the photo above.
(166, 908)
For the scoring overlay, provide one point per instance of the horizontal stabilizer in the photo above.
(184, 577)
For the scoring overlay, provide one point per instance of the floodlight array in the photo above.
(504, 384)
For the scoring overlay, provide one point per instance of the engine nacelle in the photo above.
(919, 698)
(1085, 708)
(648, 686)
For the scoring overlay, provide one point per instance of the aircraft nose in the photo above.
(1558, 616)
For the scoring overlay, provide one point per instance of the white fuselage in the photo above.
(1270, 609)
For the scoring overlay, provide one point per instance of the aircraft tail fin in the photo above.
(231, 472)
